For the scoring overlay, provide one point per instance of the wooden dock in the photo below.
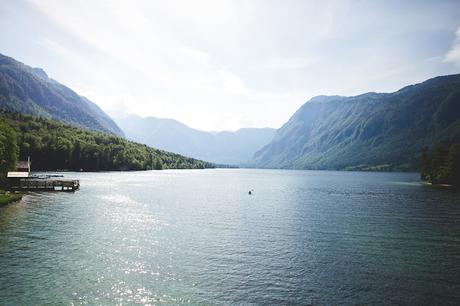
(45, 185)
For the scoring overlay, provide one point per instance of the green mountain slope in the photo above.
(371, 131)
(29, 91)
(54, 145)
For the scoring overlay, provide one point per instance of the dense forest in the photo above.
(53, 145)
(9, 150)
(442, 165)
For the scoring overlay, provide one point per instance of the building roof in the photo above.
(17, 174)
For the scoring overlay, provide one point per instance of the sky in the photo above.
(222, 65)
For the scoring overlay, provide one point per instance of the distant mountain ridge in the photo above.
(372, 131)
(232, 148)
(28, 90)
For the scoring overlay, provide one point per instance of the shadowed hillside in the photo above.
(373, 131)
(28, 90)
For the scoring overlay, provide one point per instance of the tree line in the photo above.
(442, 165)
(9, 150)
(54, 145)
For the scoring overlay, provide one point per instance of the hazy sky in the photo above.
(218, 65)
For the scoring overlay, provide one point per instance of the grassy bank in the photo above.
(6, 198)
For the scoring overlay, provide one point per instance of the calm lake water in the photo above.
(197, 237)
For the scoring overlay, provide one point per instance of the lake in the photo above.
(198, 237)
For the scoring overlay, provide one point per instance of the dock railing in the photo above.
(45, 185)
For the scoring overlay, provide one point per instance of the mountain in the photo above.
(233, 148)
(28, 90)
(373, 131)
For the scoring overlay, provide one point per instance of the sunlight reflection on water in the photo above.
(197, 237)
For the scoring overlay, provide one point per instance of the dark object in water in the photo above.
(250, 192)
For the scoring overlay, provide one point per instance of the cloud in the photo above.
(453, 56)
(291, 63)
(140, 57)
(223, 64)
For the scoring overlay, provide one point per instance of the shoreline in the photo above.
(440, 185)
(8, 198)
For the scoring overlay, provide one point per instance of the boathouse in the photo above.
(21, 179)
(22, 171)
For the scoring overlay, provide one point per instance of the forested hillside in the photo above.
(53, 145)
(442, 165)
(373, 131)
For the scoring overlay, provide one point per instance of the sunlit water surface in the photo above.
(197, 237)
